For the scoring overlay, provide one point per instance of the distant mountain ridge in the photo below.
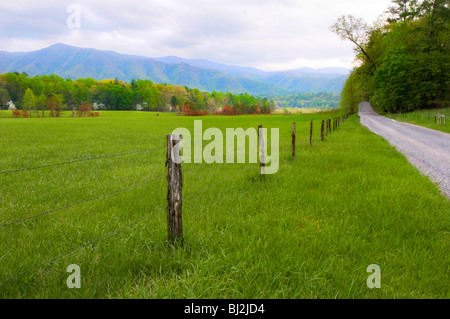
(74, 62)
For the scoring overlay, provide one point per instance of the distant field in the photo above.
(309, 231)
(294, 110)
(425, 118)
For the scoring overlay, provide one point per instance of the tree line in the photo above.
(55, 94)
(404, 58)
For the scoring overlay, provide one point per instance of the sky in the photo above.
(266, 34)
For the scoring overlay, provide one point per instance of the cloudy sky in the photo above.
(266, 34)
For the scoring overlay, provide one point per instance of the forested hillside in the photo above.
(404, 59)
(75, 63)
(322, 100)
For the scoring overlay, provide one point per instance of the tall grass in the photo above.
(309, 231)
(425, 118)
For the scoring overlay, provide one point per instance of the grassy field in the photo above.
(425, 118)
(309, 231)
(294, 111)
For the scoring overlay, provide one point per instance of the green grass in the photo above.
(425, 118)
(309, 231)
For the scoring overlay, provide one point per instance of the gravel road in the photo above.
(426, 149)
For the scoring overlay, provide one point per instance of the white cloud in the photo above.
(268, 34)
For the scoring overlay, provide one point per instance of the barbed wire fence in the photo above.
(111, 233)
(336, 123)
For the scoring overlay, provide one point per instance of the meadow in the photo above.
(309, 231)
(425, 118)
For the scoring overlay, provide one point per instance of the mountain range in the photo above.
(74, 63)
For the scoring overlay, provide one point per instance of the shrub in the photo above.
(84, 109)
(228, 110)
(187, 111)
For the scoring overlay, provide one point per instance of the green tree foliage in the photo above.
(29, 100)
(404, 63)
(323, 100)
(53, 93)
(351, 94)
(403, 10)
(4, 98)
(41, 103)
(55, 104)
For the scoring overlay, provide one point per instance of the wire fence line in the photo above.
(81, 202)
(109, 234)
(113, 232)
(80, 160)
(90, 199)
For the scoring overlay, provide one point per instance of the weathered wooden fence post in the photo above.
(174, 189)
(293, 140)
(311, 133)
(262, 162)
(321, 130)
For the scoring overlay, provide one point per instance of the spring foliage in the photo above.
(53, 93)
(404, 62)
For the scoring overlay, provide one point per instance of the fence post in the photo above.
(174, 192)
(311, 133)
(321, 130)
(293, 140)
(262, 162)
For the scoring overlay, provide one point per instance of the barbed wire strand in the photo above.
(101, 237)
(90, 199)
(80, 160)
(82, 202)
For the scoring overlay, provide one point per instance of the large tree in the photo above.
(55, 104)
(403, 10)
(4, 98)
(356, 30)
